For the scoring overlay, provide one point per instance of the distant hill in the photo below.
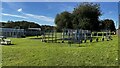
(19, 24)
(24, 25)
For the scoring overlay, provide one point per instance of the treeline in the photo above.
(25, 25)
(84, 16)
(47, 27)
(20, 24)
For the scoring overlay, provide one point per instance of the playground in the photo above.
(75, 36)
(45, 51)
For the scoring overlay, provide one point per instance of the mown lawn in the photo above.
(33, 52)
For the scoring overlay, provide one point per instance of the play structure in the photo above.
(75, 36)
(49, 36)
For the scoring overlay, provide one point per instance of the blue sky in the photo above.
(44, 13)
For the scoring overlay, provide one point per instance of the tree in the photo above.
(109, 24)
(86, 16)
(21, 25)
(47, 27)
(102, 25)
(2, 24)
(64, 20)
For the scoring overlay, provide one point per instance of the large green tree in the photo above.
(64, 20)
(86, 16)
(108, 24)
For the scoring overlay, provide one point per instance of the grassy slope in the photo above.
(32, 52)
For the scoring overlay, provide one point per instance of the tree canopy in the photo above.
(108, 24)
(64, 20)
(87, 15)
(84, 16)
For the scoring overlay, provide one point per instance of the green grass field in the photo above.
(33, 52)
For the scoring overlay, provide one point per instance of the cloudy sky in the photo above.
(44, 13)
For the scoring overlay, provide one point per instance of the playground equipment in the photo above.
(49, 36)
(108, 35)
(70, 35)
(75, 36)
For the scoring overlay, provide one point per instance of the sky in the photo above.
(44, 13)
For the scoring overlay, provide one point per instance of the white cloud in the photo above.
(26, 15)
(30, 16)
(4, 14)
(40, 17)
(19, 10)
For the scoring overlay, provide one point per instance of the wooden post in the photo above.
(85, 38)
(42, 38)
(107, 36)
(69, 41)
(48, 35)
(91, 37)
(63, 35)
(55, 36)
(52, 35)
(45, 37)
(69, 34)
(72, 37)
(97, 37)
(80, 35)
(102, 36)
(110, 35)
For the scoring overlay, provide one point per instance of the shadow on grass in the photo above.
(8, 44)
(35, 38)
